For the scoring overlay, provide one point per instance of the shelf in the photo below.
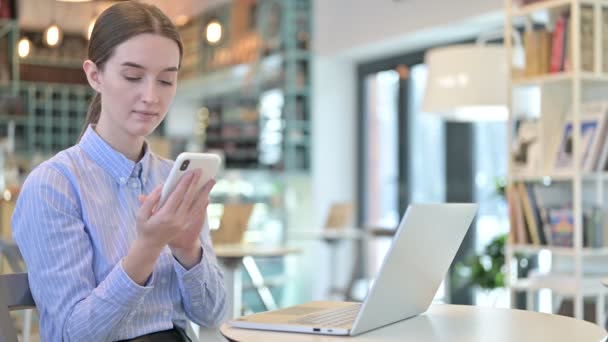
(559, 77)
(18, 119)
(244, 139)
(233, 79)
(593, 176)
(562, 284)
(565, 251)
(548, 5)
(52, 62)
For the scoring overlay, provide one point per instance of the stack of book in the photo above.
(549, 51)
(538, 216)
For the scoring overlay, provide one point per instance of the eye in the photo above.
(132, 79)
(166, 83)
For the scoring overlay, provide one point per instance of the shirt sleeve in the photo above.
(49, 230)
(202, 286)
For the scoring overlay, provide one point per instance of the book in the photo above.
(593, 227)
(593, 128)
(537, 45)
(530, 215)
(516, 216)
(558, 44)
(525, 152)
(561, 222)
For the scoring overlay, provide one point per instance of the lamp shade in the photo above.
(467, 82)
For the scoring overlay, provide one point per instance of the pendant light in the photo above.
(214, 31)
(24, 47)
(469, 82)
(53, 35)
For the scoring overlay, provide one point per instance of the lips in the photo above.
(146, 113)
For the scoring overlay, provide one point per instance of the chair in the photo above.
(233, 224)
(339, 227)
(340, 216)
(14, 295)
(10, 251)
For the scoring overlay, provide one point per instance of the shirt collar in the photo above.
(113, 162)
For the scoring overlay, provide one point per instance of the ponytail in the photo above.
(92, 114)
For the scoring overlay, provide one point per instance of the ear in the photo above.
(93, 74)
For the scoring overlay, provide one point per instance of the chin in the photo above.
(143, 130)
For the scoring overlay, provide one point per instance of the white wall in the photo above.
(333, 133)
(344, 25)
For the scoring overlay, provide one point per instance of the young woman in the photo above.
(103, 263)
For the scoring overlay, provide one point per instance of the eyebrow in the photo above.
(135, 65)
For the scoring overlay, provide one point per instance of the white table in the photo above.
(231, 257)
(454, 323)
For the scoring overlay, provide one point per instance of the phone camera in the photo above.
(184, 165)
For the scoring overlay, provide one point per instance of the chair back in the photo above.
(10, 251)
(14, 295)
(233, 224)
(340, 215)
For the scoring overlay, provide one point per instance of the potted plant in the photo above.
(485, 270)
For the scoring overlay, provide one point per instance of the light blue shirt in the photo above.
(75, 221)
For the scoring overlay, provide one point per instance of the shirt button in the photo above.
(134, 185)
(166, 313)
(123, 180)
(163, 281)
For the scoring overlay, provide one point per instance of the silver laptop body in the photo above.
(422, 250)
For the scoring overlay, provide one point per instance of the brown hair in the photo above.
(117, 24)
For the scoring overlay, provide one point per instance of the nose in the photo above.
(150, 92)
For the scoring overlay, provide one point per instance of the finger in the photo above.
(208, 187)
(141, 198)
(190, 194)
(202, 199)
(175, 198)
(150, 201)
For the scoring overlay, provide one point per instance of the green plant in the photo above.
(486, 269)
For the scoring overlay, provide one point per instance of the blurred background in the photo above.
(333, 116)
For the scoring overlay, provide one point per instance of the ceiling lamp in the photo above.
(53, 35)
(469, 82)
(24, 47)
(213, 31)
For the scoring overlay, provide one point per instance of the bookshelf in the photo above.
(44, 99)
(254, 86)
(556, 191)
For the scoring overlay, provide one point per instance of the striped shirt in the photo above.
(75, 220)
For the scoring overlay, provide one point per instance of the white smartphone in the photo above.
(208, 163)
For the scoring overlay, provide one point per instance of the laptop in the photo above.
(421, 252)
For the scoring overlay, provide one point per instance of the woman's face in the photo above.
(137, 85)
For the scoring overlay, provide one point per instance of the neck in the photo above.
(130, 146)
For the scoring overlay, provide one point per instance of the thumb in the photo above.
(149, 202)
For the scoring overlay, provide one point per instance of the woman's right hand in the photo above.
(156, 227)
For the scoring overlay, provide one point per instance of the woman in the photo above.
(103, 263)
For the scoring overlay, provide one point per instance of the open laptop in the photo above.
(422, 250)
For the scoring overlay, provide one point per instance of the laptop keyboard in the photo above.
(333, 318)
